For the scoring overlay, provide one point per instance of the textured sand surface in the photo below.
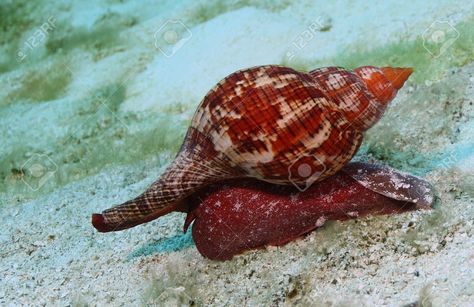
(98, 106)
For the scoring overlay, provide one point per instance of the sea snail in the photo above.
(271, 123)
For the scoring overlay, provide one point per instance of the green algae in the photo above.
(98, 136)
(176, 109)
(16, 17)
(409, 160)
(207, 10)
(40, 83)
(100, 39)
(405, 53)
(89, 151)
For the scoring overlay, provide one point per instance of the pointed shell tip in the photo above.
(397, 75)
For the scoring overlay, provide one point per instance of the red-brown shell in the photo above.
(267, 119)
(271, 123)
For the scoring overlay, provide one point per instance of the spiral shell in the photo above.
(271, 123)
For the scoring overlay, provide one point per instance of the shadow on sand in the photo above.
(164, 245)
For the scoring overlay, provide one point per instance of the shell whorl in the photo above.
(264, 118)
(265, 122)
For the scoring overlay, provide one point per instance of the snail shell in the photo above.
(271, 123)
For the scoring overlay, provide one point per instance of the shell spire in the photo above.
(397, 75)
(271, 123)
(384, 82)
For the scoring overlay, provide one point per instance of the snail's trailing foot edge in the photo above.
(248, 214)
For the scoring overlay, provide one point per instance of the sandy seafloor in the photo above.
(92, 111)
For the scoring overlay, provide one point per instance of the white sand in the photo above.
(51, 255)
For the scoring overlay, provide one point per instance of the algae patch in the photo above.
(206, 10)
(405, 53)
(39, 83)
(16, 17)
(100, 39)
(94, 136)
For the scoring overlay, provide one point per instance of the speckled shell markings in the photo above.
(271, 123)
(267, 119)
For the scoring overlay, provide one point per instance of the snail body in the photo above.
(271, 123)
(232, 217)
